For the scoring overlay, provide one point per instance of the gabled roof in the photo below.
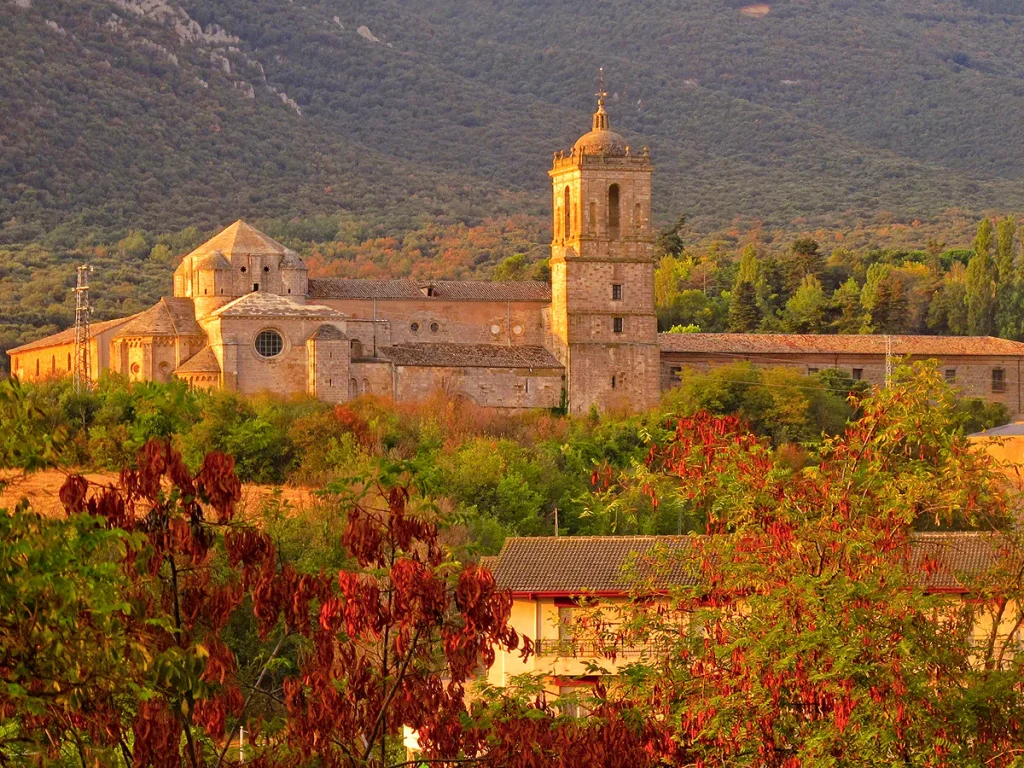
(203, 361)
(168, 317)
(68, 336)
(469, 356)
(441, 290)
(260, 304)
(742, 344)
(581, 565)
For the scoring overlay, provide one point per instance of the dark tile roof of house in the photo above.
(168, 317)
(441, 290)
(743, 344)
(203, 361)
(67, 336)
(1016, 429)
(469, 356)
(327, 332)
(580, 565)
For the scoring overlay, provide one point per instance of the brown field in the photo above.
(41, 489)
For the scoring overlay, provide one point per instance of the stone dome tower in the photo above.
(602, 271)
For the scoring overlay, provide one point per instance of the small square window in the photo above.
(998, 380)
(811, 371)
(858, 374)
(950, 375)
(617, 324)
(617, 292)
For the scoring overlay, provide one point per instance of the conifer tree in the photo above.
(1009, 286)
(744, 315)
(848, 314)
(980, 284)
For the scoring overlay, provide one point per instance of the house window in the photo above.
(69, 361)
(811, 371)
(255, 287)
(950, 374)
(244, 270)
(858, 374)
(617, 292)
(613, 382)
(266, 269)
(269, 343)
(998, 380)
(414, 327)
(676, 372)
(434, 327)
(593, 216)
(37, 366)
(617, 324)
(353, 388)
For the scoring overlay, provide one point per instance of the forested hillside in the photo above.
(158, 114)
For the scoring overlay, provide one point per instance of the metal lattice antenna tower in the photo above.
(83, 333)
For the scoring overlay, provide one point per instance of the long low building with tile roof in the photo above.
(549, 578)
(245, 315)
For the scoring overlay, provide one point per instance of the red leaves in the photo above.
(218, 485)
(72, 494)
(157, 735)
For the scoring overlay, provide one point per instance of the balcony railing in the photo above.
(590, 649)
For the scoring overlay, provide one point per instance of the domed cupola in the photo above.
(601, 140)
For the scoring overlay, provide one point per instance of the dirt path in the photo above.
(41, 489)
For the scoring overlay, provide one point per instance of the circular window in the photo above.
(517, 330)
(434, 327)
(495, 329)
(269, 343)
(135, 368)
(164, 367)
(414, 327)
(266, 269)
(244, 270)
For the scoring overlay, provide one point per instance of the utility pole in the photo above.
(83, 333)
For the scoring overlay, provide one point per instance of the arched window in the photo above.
(69, 361)
(613, 211)
(593, 217)
(638, 218)
(353, 388)
(37, 366)
(53, 363)
(567, 214)
(366, 386)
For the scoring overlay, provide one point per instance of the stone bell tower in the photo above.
(602, 272)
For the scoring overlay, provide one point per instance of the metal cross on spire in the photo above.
(602, 94)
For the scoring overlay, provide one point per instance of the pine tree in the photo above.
(980, 284)
(744, 315)
(1009, 287)
(847, 311)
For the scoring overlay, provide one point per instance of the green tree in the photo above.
(980, 285)
(805, 258)
(1009, 287)
(807, 310)
(848, 315)
(744, 314)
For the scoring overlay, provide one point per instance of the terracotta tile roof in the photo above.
(168, 317)
(443, 290)
(328, 332)
(743, 344)
(584, 564)
(68, 336)
(261, 304)
(203, 361)
(469, 356)
(575, 565)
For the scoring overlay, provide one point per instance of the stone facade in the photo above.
(982, 367)
(245, 316)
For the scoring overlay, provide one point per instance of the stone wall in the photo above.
(507, 388)
(972, 375)
(436, 321)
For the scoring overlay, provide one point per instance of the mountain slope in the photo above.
(161, 113)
